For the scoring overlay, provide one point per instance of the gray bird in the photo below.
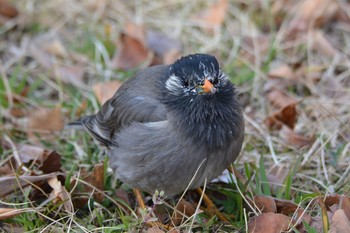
(171, 126)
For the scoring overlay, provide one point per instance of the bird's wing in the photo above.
(135, 101)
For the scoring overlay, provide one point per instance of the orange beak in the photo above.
(208, 87)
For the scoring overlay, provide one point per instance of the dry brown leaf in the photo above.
(265, 204)
(96, 179)
(132, 48)
(183, 210)
(269, 223)
(136, 31)
(51, 163)
(72, 74)
(59, 194)
(44, 122)
(7, 9)
(340, 223)
(154, 230)
(104, 91)
(6, 213)
(285, 116)
(294, 139)
(279, 99)
(282, 71)
(345, 205)
(18, 112)
(6, 169)
(213, 17)
(9, 184)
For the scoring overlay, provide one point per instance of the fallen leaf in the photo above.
(6, 213)
(213, 17)
(8, 10)
(60, 195)
(345, 205)
(294, 139)
(96, 179)
(132, 49)
(44, 122)
(154, 230)
(269, 223)
(265, 204)
(182, 212)
(280, 99)
(339, 223)
(51, 163)
(285, 116)
(104, 91)
(9, 184)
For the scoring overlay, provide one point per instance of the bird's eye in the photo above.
(186, 83)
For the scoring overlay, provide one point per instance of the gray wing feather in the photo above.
(135, 101)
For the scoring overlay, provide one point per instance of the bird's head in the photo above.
(197, 74)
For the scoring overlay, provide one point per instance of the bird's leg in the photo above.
(211, 207)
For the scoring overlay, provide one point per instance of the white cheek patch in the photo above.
(173, 83)
(223, 77)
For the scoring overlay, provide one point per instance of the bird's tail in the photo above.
(94, 127)
(78, 124)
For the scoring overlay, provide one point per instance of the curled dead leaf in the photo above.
(60, 195)
(285, 116)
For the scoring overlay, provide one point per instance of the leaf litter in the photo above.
(303, 101)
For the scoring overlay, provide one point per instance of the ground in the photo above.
(289, 60)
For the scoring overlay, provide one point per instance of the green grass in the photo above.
(304, 182)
